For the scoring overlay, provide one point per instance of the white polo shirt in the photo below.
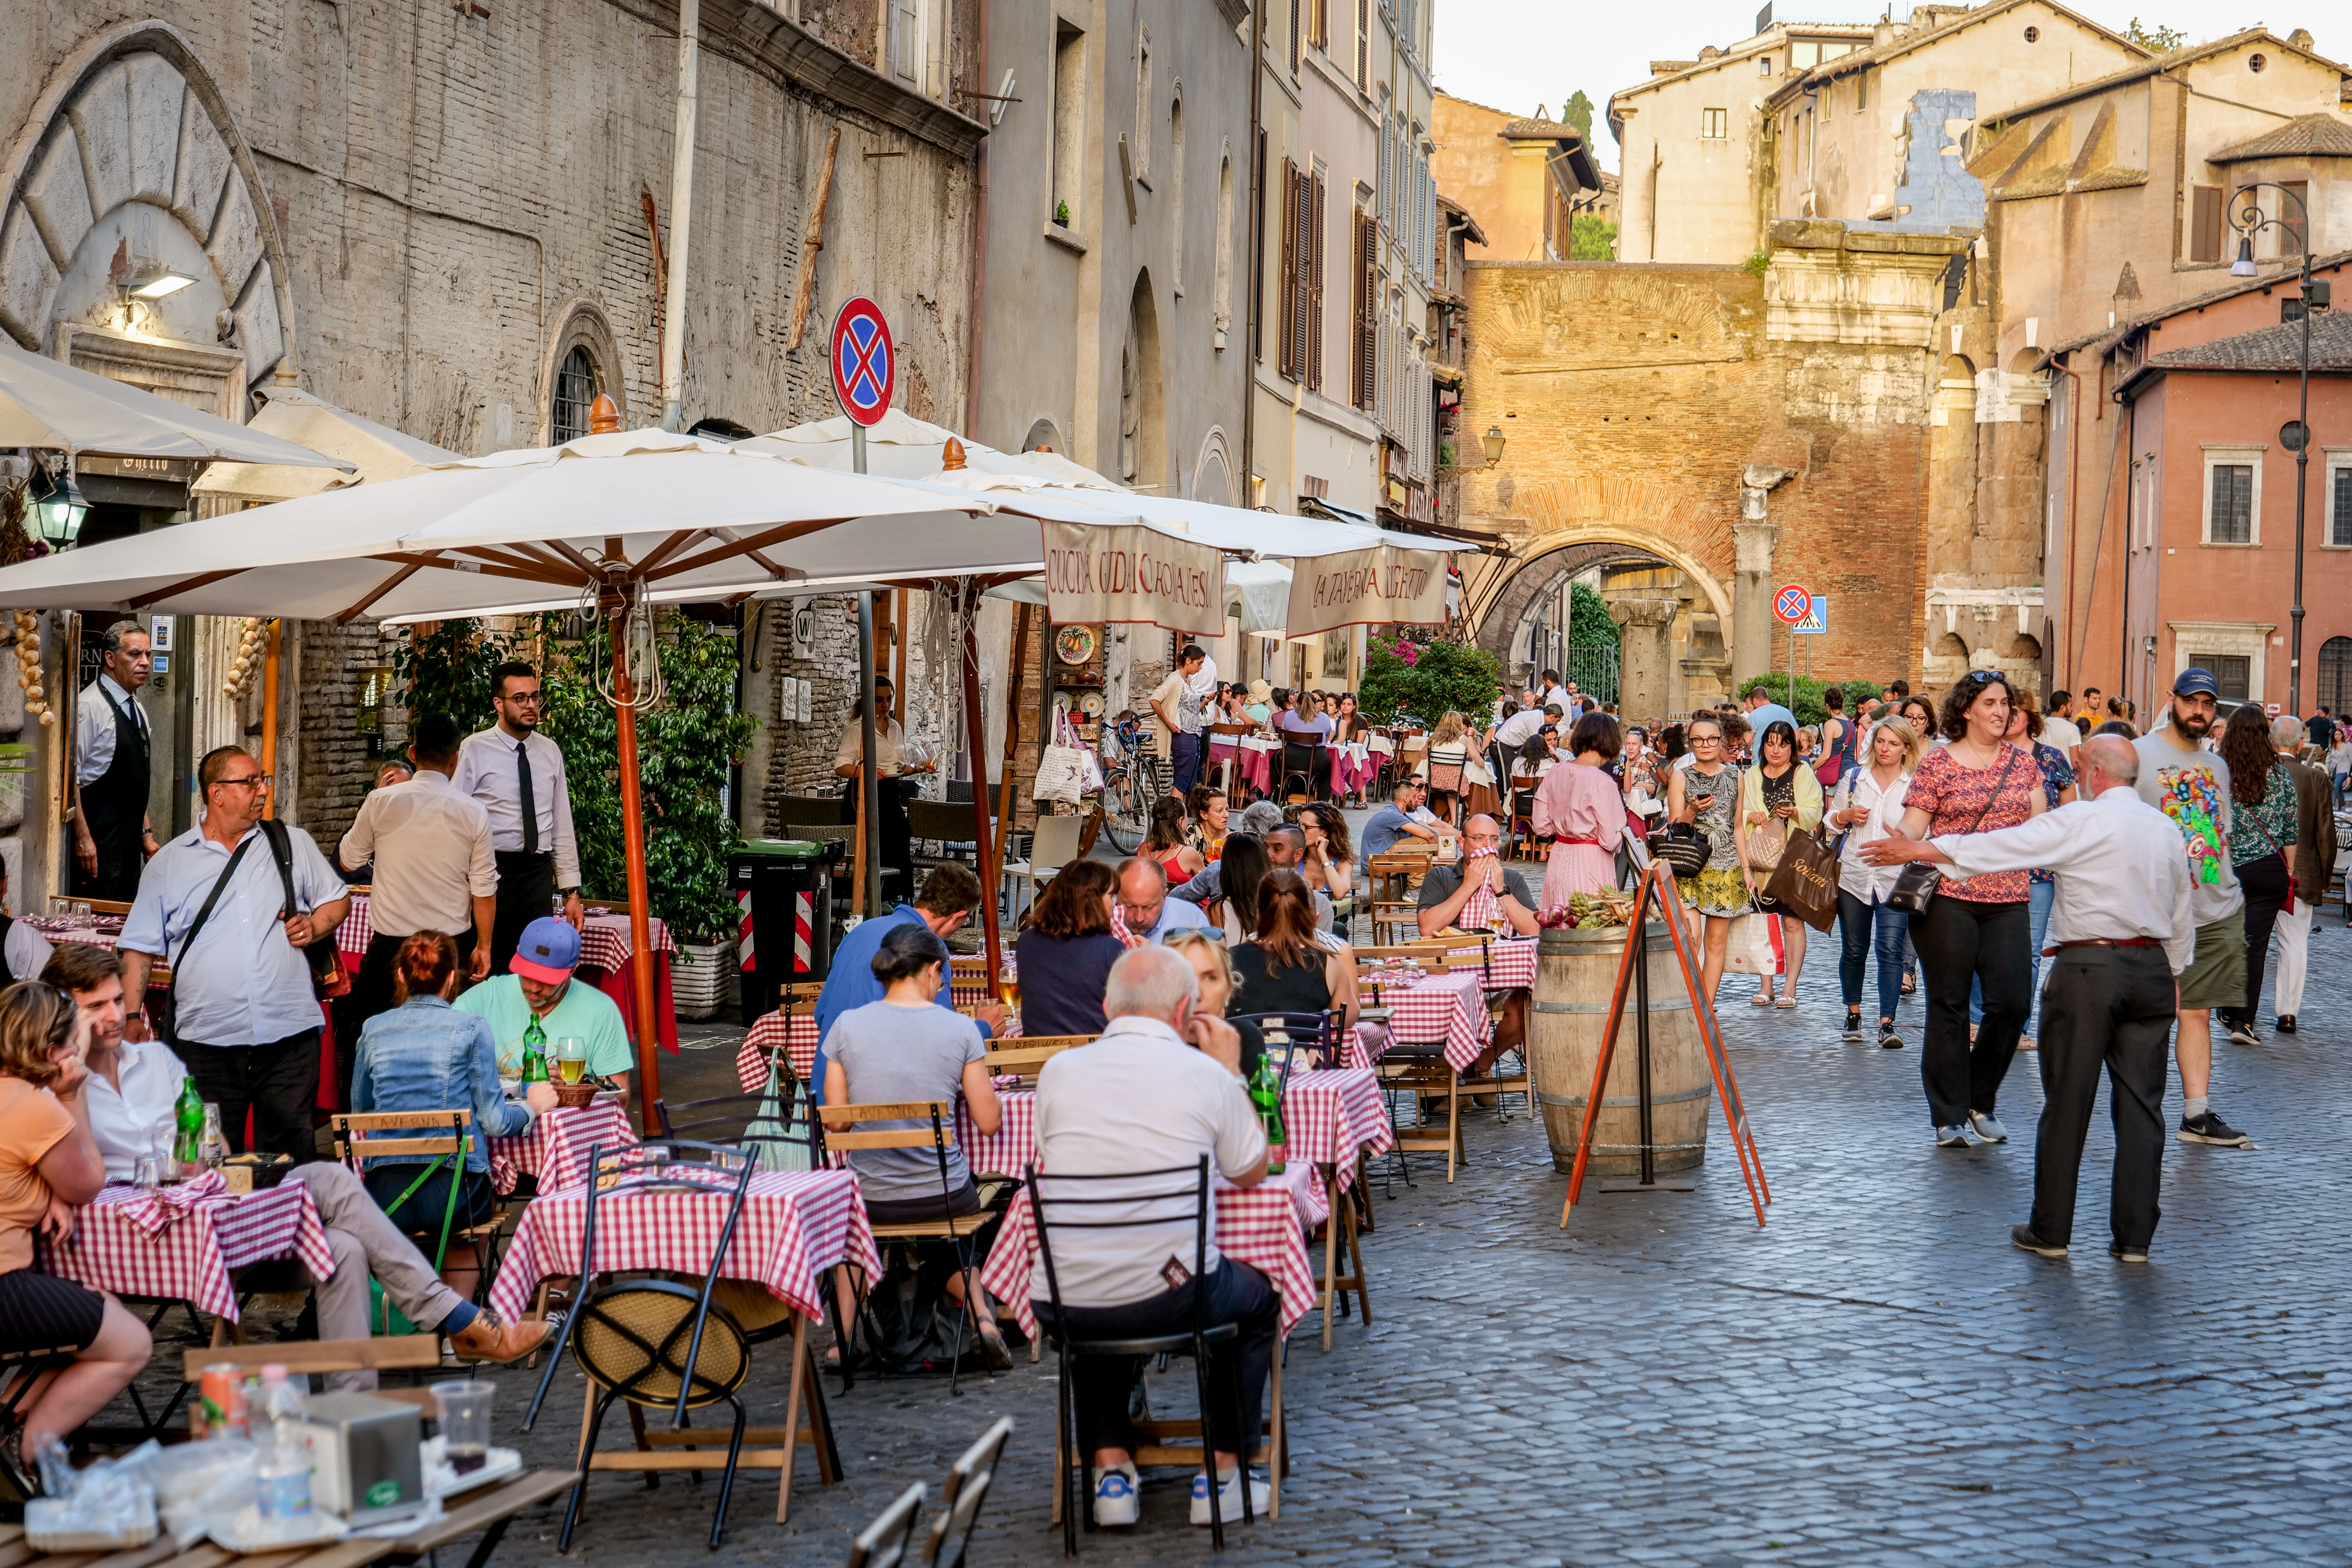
(136, 1119)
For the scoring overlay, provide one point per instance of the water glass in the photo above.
(149, 1172)
(464, 1411)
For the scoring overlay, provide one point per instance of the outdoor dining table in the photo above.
(604, 947)
(554, 1150)
(795, 1225)
(1445, 1007)
(183, 1242)
(1335, 1117)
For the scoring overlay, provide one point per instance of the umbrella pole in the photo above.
(270, 714)
(633, 857)
(870, 803)
(975, 726)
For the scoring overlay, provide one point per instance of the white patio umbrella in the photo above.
(368, 452)
(597, 520)
(50, 405)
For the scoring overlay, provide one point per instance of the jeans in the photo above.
(1184, 753)
(1235, 1293)
(426, 1055)
(2110, 1005)
(2267, 884)
(1856, 924)
(1960, 939)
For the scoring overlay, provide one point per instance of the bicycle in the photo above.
(1132, 783)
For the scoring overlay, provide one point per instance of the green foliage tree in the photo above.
(2163, 40)
(1809, 707)
(1591, 238)
(1428, 678)
(684, 748)
(1589, 621)
(447, 667)
(1578, 112)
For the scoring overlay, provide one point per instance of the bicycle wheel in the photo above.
(1127, 806)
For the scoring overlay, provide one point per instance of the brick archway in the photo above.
(1531, 564)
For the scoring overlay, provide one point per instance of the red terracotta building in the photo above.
(2197, 555)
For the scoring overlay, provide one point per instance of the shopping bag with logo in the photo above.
(1805, 882)
(1061, 770)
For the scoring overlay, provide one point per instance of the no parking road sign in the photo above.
(865, 365)
(1792, 603)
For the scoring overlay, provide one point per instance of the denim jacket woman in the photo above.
(426, 1055)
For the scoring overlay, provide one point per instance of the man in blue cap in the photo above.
(2191, 785)
(949, 895)
(541, 985)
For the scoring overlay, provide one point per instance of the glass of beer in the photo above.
(1008, 986)
(572, 1057)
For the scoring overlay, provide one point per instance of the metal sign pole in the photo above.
(868, 779)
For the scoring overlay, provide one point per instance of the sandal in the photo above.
(1909, 986)
(1763, 999)
(1786, 1002)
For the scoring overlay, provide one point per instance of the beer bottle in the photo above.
(534, 1052)
(1265, 1095)
(188, 1127)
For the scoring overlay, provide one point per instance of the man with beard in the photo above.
(2191, 785)
(518, 775)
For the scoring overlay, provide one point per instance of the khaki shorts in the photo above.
(2216, 977)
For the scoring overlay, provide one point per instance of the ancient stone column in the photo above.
(1645, 657)
(1752, 586)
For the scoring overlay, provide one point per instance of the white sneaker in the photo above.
(1229, 1497)
(1115, 1499)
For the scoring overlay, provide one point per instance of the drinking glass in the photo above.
(60, 908)
(464, 1411)
(81, 911)
(572, 1057)
(149, 1172)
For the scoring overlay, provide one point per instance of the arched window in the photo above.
(576, 386)
(1176, 193)
(2335, 692)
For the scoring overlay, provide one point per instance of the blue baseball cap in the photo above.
(549, 951)
(2194, 681)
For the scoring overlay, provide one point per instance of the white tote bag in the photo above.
(1755, 945)
(1061, 770)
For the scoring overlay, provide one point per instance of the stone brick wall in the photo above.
(336, 770)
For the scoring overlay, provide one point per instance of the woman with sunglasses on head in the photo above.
(1778, 796)
(1707, 794)
(1869, 802)
(1979, 929)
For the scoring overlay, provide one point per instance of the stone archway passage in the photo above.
(132, 167)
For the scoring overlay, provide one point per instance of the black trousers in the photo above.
(2266, 883)
(526, 893)
(371, 995)
(1959, 940)
(1235, 1293)
(278, 1082)
(2110, 1005)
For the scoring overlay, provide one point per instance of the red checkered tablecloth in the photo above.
(1008, 1151)
(1448, 1009)
(605, 941)
(554, 1149)
(1260, 1226)
(1330, 1113)
(183, 1243)
(799, 1033)
(1510, 964)
(795, 1225)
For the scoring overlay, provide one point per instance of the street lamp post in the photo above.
(2249, 221)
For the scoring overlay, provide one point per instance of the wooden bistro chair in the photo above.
(357, 1139)
(1306, 1041)
(1396, 909)
(1174, 1194)
(1028, 1054)
(1521, 830)
(842, 1125)
(1307, 763)
(1229, 769)
(890, 1541)
(412, 1353)
(659, 1344)
(1497, 1082)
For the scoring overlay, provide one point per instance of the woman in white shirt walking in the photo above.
(1868, 802)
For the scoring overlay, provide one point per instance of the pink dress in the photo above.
(1580, 808)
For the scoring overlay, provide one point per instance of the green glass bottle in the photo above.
(1265, 1094)
(534, 1052)
(188, 1126)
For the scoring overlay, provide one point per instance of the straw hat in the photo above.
(1260, 691)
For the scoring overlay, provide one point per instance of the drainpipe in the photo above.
(1256, 248)
(2073, 471)
(681, 216)
(980, 270)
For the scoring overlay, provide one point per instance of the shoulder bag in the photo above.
(1914, 889)
(169, 1031)
(1764, 845)
(327, 976)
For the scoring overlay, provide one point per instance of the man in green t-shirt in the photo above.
(541, 984)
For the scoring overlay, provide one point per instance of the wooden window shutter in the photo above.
(1366, 316)
(1303, 248)
(1288, 327)
(1295, 6)
(2205, 223)
(1314, 288)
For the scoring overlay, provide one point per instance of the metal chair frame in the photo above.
(887, 1542)
(966, 1488)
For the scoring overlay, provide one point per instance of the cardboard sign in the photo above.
(1133, 575)
(1378, 586)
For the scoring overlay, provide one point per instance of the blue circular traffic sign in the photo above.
(1792, 603)
(865, 365)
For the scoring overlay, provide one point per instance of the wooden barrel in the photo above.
(1576, 972)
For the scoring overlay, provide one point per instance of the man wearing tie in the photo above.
(518, 775)
(111, 758)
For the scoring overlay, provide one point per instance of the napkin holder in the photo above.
(366, 1459)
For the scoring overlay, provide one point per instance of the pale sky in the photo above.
(1519, 54)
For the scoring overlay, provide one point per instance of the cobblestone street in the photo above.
(1877, 1376)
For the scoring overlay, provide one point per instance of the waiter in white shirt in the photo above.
(518, 775)
(112, 762)
(2120, 930)
(894, 782)
(434, 870)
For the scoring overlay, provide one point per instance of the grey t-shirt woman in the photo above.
(892, 1053)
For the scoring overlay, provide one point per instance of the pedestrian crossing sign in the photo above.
(1817, 618)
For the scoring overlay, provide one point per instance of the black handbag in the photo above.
(1915, 888)
(1680, 847)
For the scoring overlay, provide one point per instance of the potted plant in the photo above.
(1062, 213)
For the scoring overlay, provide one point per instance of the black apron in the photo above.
(115, 803)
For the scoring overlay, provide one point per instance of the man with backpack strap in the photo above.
(232, 920)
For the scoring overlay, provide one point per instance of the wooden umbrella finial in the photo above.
(952, 459)
(603, 415)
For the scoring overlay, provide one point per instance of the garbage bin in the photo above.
(784, 888)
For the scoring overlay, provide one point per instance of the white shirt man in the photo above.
(537, 853)
(2120, 929)
(1518, 728)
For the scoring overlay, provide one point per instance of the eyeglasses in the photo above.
(527, 699)
(249, 780)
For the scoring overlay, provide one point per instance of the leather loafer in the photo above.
(2022, 1236)
(489, 1339)
(2286, 1023)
